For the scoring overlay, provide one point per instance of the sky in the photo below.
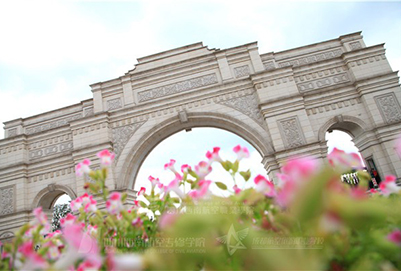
(51, 51)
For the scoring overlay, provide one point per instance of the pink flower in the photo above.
(34, 260)
(264, 186)
(154, 181)
(202, 191)
(106, 157)
(40, 219)
(236, 189)
(242, 152)
(358, 193)
(395, 237)
(170, 166)
(83, 167)
(76, 204)
(80, 244)
(92, 230)
(141, 191)
(89, 203)
(343, 160)
(185, 168)
(214, 156)
(174, 186)
(202, 169)
(114, 204)
(69, 219)
(167, 220)
(137, 221)
(388, 186)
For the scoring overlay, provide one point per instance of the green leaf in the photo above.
(227, 165)
(175, 200)
(123, 197)
(143, 204)
(221, 185)
(246, 174)
(235, 166)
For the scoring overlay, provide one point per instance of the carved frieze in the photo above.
(242, 71)
(389, 107)
(7, 200)
(52, 124)
(114, 104)
(311, 58)
(269, 65)
(355, 45)
(177, 87)
(246, 104)
(88, 111)
(324, 82)
(122, 134)
(50, 150)
(291, 132)
(12, 132)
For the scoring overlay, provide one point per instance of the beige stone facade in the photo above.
(282, 103)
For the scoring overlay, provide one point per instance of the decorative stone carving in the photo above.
(311, 59)
(7, 200)
(53, 124)
(88, 111)
(269, 65)
(114, 104)
(6, 235)
(177, 87)
(121, 135)
(389, 107)
(355, 45)
(324, 82)
(247, 105)
(50, 150)
(242, 71)
(291, 133)
(12, 132)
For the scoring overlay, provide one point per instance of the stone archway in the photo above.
(47, 197)
(140, 148)
(282, 103)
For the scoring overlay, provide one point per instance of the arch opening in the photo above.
(190, 148)
(141, 146)
(342, 139)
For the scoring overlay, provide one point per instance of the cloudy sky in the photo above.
(51, 51)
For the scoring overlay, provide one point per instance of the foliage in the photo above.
(309, 220)
(59, 211)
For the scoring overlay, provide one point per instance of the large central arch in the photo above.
(154, 135)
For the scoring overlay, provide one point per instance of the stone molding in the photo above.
(311, 58)
(333, 106)
(45, 175)
(178, 87)
(52, 124)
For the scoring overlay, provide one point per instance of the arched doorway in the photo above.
(190, 148)
(53, 194)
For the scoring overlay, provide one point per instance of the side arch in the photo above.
(348, 124)
(136, 155)
(47, 196)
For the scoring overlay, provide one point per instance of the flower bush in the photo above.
(308, 220)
